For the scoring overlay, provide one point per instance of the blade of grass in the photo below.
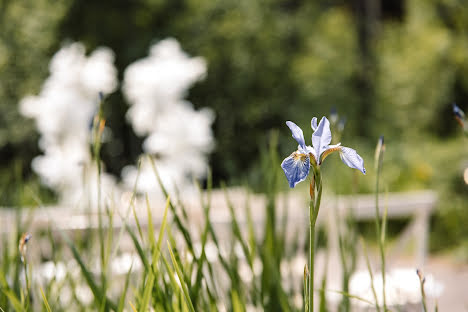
(348, 295)
(177, 219)
(370, 273)
(137, 222)
(138, 247)
(132, 306)
(46, 303)
(171, 274)
(250, 226)
(95, 289)
(181, 279)
(151, 239)
(147, 292)
(14, 301)
(236, 228)
(127, 214)
(202, 259)
(124, 292)
(157, 250)
(237, 305)
(172, 242)
(306, 288)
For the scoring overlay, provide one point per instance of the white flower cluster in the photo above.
(402, 287)
(63, 112)
(179, 136)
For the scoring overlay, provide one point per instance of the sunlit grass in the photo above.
(179, 265)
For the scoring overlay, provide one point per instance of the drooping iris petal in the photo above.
(313, 123)
(297, 133)
(296, 168)
(321, 137)
(352, 159)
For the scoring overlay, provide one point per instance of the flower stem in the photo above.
(314, 207)
(380, 235)
(311, 254)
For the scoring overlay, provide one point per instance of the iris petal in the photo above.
(313, 123)
(457, 111)
(296, 168)
(311, 150)
(321, 137)
(352, 159)
(297, 133)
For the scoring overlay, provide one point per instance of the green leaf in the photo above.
(46, 303)
(15, 302)
(124, 293)
(147, 292)
(138, 247)
(96, 290)
(181, 279)
(157, 249)
(177, 219)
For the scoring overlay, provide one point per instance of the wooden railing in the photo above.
(418, 206)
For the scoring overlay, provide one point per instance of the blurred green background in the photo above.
(390, 67)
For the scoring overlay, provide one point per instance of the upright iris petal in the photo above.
(297, 134)
(322, 137)
(296, 168)
(352, 159)
(313, 123)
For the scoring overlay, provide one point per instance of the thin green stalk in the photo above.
(318, 184)
(311, 254)
(314, 207)
(98, 127)
(423, 298)
(343, 293)
(370, 274)
(306, 288)
(380, 236)
(422, 280)
(26, 277)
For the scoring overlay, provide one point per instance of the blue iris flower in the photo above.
(297, 165)
(457, 111)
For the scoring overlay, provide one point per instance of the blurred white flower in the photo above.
(179, 136)
(122, 264)
(402, 287)
(158, 82)
(63, 112)
(50, 270)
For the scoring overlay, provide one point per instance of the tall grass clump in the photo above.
(177, 267)
(154, 256)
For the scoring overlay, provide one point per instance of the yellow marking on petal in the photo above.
(299, 156)
(329, 151)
